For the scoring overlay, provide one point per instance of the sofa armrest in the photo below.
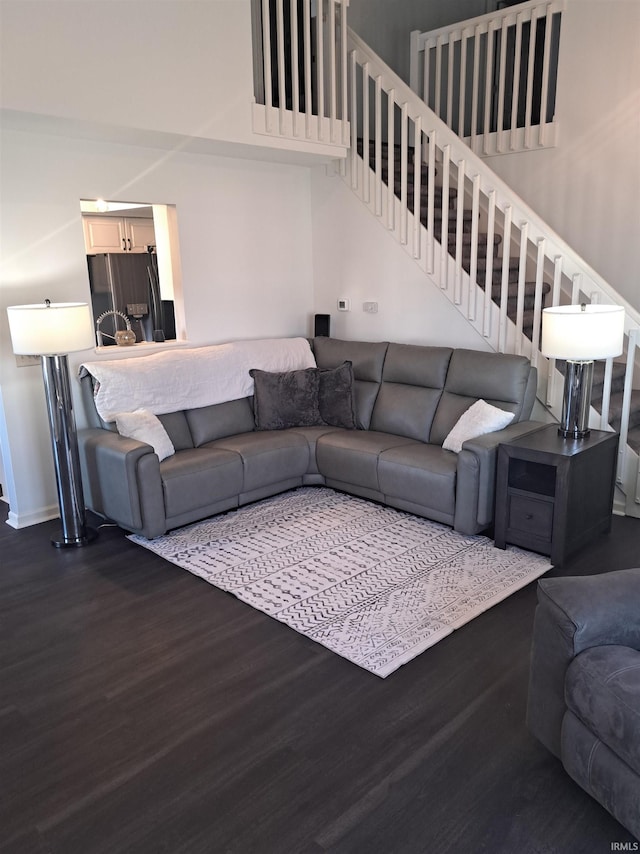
(122, 482)
(476, 476)
(573, 614)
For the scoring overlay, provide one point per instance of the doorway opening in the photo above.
(134, 271)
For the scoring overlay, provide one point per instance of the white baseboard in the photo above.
(25, 520)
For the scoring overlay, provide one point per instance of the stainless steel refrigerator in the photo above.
(128, 283)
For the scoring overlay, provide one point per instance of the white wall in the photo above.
(588, 187)
(355, 257)
(245, 245)
(176, 66)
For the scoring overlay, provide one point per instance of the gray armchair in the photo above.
(584, 689)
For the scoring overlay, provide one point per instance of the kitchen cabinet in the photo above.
(117, 234)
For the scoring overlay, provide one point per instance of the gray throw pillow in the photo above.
(286, 398)
(336, 396)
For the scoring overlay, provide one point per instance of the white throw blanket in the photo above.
(186, 379)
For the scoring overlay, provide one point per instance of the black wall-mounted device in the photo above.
(322, 325)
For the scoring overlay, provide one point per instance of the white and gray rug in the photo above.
(375, 585)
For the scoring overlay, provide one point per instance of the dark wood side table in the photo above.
(554, 495)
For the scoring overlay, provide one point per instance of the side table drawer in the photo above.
(531, 516)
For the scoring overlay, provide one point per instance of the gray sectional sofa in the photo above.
(406, 399)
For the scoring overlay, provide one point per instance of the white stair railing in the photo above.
(492, 79)
(456, 198)
(300, 70)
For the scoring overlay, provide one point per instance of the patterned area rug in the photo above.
(375, 585)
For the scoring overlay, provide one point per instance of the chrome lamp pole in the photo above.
(51, 330)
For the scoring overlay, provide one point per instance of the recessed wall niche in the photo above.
(134, 270)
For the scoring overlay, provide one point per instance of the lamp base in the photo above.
(573, 434)
(576, 401)
(62, 542)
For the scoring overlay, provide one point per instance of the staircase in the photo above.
(487, 251)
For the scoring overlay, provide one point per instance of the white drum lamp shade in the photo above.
(51, 330)
(579, 334)
(582, 333)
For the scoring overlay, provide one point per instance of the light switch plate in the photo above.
(344, 304)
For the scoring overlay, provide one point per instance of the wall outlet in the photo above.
(344, 304)
(27, 361)
(370, 307)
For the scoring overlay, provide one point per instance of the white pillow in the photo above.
(479, 419)
(146, 427)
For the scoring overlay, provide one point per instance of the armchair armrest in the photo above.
(122, 482)
(476, 476)
(595, 610)
(573, 614)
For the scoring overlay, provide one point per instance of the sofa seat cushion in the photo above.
(312, 434)
(422, 474)
(351, 456)
(268, 457)
(602, 688)
(198, 477)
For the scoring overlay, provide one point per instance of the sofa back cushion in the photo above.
(413, 379)
(220, 420)
(177, 427)
(500, 379)
(367, 359)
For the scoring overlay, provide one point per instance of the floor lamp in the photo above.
(51, 330)
(579, 334)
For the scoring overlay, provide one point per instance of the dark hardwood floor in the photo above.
(144, 711)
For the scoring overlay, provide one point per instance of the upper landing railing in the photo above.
(492, 79)
(300, 61)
